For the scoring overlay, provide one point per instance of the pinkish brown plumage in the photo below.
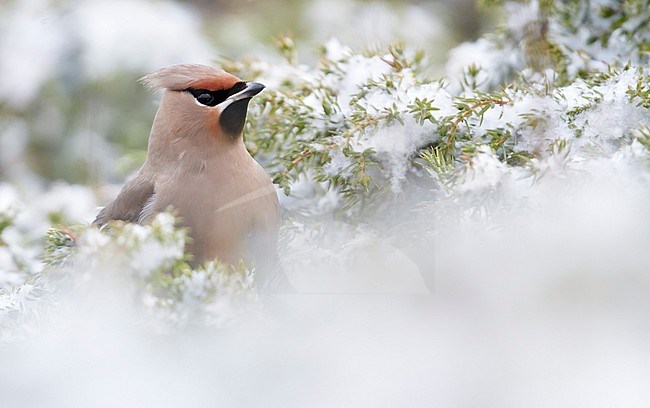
(197, 165)
(184, 76)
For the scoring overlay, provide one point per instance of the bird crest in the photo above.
(189, 76)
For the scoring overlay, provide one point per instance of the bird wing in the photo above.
(128, 205)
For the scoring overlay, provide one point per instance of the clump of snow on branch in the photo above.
(147, 261)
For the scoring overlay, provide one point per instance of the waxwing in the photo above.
(198, 166)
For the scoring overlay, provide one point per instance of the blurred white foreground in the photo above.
(538, 297)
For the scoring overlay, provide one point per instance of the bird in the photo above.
(198, 166)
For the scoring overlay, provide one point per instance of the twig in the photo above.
(465, 114)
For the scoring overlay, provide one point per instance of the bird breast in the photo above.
(222, 205)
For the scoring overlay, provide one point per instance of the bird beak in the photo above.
(252, 89)
(233, 109)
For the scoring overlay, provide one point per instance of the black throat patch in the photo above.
(233, 117)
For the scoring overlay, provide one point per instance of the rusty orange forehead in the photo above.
(216, 83)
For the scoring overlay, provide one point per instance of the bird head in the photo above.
(200, 100)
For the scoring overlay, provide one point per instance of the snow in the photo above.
(9, 275)
(337, 258)
(358, 70)
(396, 145)
(495, 64)
(550, 296)
(484, 171)
(8, 198)
(613, 119)
(309, 197)
(335, 50)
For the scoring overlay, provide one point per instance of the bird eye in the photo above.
(205, 99)
(214, 98)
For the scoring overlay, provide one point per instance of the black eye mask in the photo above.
(214, 98)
